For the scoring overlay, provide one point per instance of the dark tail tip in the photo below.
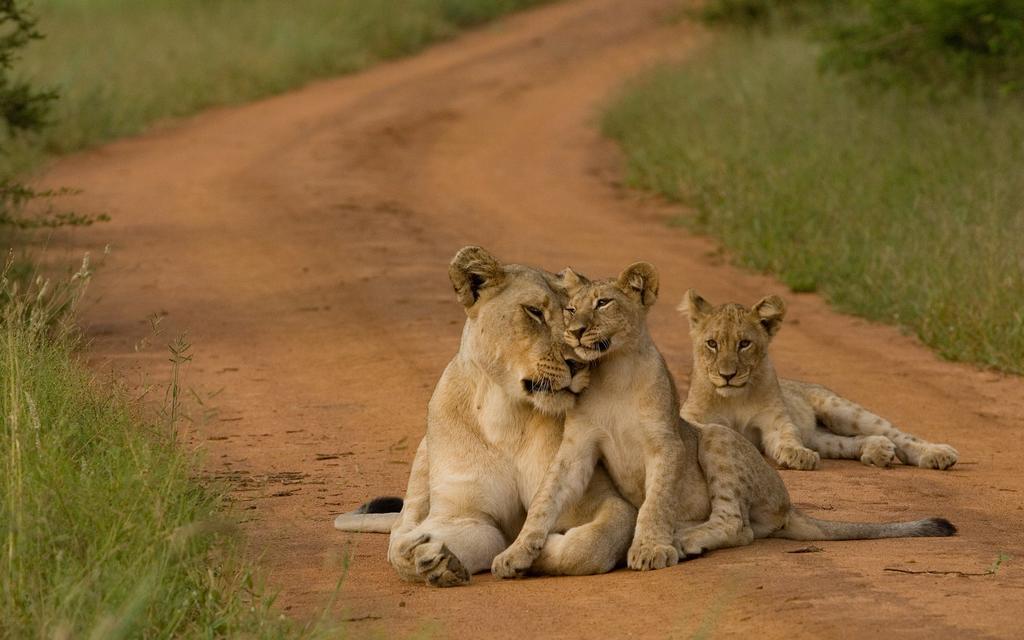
(389, 504)
(937, 527)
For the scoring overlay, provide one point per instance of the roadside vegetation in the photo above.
(872, 154)
(120, 65)
(107, 529)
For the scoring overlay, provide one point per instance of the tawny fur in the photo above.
(794, 423)
(697, 487)
(494, 424)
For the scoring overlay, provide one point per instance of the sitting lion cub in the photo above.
(734, 383)
(697, 487)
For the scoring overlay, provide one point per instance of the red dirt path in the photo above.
(303, 242)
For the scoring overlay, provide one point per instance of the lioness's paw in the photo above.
(878, 451)
(802, 458)
(438, 566)
(938, 456)
(513, 562)
(645, 557)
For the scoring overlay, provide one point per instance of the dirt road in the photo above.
(302, 242)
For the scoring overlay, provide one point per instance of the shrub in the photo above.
(939, 41)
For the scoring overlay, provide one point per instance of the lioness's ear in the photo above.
(641, 278)
(472, 270)
(694, 307)
(770, 311)
(571, 280)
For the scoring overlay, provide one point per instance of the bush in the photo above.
(944, 44)
(750, 13)
(940, 41)
(894, 208)
(22, 108)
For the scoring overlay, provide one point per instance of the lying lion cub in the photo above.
(734, 383)
(697, 487)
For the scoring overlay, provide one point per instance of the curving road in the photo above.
(302, 242)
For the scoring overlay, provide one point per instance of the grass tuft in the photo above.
(106, 533)
(894, 207)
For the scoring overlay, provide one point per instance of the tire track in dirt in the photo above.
(302, 242)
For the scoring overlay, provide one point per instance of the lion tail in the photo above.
(800, 526)
(375, 516)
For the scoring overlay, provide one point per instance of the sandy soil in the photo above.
(302, 242)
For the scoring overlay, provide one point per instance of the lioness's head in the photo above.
(606, 315)
(731, 340)
(514, 328)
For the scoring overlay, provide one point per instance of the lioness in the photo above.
(494, 423)
(793, 423)
(698, 488)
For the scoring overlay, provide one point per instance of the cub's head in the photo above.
(730, 341)
(513, 332)
(606, 315)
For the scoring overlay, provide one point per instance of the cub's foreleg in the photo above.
(780, 440)
(601, 528)
(876, 451)
(652, 546)
(850, 419)
(564, 483)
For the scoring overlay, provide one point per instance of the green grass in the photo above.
(106, 533)
(120, 65)
(892, 206)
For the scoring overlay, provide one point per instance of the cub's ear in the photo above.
(694, 307)
(769, 312)
(571, 280)
(471, 271)
(641, 278)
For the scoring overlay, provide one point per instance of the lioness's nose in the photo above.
(727, 376)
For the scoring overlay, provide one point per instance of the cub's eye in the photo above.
(602, 302)
(571, 310)
(744, 344)
(534, 312)
(712, 344)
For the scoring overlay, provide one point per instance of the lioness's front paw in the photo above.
(438, 566)
(648, 556)
(802, 458)
(878, 451)
(513, 562)
(938, 456)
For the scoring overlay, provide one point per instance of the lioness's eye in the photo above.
(535, 312)
(712, 344)
(571, 310)
(744, 344)
(603, 302)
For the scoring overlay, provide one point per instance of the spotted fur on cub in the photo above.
(697, 487)
(794, 423)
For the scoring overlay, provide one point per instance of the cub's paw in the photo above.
(878, 451)
(794, 457)
(438, 566)
(513, 562)
(938, 456)
(645, 557)
(691, 543)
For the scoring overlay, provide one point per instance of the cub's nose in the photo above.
(727, 376)
(578, 332)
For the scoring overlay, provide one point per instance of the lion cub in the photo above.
(793, 423)
(697, 487)
(628, 420)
